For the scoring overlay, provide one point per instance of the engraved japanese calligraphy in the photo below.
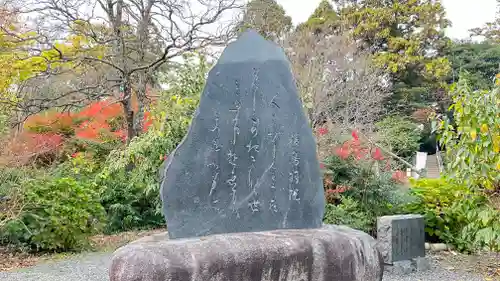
(248, 162)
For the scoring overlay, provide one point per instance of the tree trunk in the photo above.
(128, 111)
(141, 101)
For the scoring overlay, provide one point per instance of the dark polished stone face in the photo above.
(401, 237)
(248, 162)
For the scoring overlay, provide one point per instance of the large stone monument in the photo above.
(248, 162)
(242, 193)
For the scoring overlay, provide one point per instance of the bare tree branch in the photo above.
(338, 82)
(126, 41)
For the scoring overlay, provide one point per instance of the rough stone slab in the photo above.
(422, 263)
(401, 237)
(248, 162)
(407, 267)
(330, 253)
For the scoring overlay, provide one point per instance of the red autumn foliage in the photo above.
(354, 148)
(51, 121)
(338, 189)
(332, 194)
(358, 151)
(377, 154)
(92, 130)
(46, 132)
(101, 110)
(105, 118)
(96, 122)
(355, 135)
(26, 147)
(148, 121)
(322, 131)
(399, 176)
(342, 152)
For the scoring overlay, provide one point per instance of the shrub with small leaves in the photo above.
(472, 140)
(348, 213)
(363, 174)
(434, 197)
(59, 214)
(456, 215)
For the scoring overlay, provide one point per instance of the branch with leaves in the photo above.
(124, 42)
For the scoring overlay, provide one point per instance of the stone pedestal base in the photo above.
(332, 253)
(409, 266)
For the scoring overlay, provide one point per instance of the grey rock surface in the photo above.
(330, 253)
(94, 267)
(248, 161)
(401, 237)
(409, 266)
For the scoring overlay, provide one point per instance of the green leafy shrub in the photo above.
(472, 137)
(434, 197)
(135, 202)
(375, 192)
(348, 213)
(13, 177)
(473, 225)
(456, 215)
(362, 174)
(400, 135)
(58, 214)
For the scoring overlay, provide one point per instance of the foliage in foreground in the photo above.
(94, 190)
(348, 212)
(472, 141)
(360, 186)
(58, 214)
(135, 202)
(456, 215)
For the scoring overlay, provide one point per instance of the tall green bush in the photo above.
(58, 214)
(456, 215)
(434, 198)
(374, 192)
(472, 138)
(130, 181)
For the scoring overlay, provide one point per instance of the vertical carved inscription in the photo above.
(253, 146)
(231, 154)
(274, 134)
(216, 146)
(215, 179)
(216, 130)
(293, 176)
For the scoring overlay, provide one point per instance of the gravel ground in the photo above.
(89, 267)
(435, 274)
(93, 267)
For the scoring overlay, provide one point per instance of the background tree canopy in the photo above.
(480, 60)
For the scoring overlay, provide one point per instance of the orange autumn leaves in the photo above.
(48, 132)
(99, 122)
